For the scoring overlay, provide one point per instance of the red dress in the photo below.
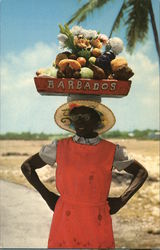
(81, 218)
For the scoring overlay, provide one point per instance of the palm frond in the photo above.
(154, 28)
(137, 22)
(119, 17)
(88, 8)
(135, 15)
(69, 42)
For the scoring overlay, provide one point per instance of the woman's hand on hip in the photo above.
(115, 204)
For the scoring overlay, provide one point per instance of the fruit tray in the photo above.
(63, 86)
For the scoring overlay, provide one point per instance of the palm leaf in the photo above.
(134, 13)
(88, 8)
(155, 32)
(69, 42)
(119, 17)
(137, 22)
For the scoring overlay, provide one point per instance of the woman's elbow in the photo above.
(137, 169)
(143, 173)
(26, 168)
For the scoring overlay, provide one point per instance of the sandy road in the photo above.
(24, 217)
(25, 222)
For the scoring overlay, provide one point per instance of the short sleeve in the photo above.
(121, 158)
(48, 153)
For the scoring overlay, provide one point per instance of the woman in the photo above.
(82, 211)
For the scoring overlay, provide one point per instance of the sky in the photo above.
(29, 30)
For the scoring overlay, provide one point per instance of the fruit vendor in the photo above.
(82, 211)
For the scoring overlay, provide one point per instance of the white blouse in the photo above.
(121, 158)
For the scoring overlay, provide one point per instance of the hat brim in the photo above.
(63, 120)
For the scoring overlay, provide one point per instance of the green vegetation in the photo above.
(135, 134)
(30, 136)
(116, 134)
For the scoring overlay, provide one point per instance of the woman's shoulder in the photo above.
(48, 152)
(64, 140)
(107, 142)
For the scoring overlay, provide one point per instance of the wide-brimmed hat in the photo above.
(62, 114)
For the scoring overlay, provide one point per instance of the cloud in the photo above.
(146, 81)
(22, 67)
(140, 109)
(23, 109)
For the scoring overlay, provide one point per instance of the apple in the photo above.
(96, 52)
(81, 60)
(86, 73)
(92, 59)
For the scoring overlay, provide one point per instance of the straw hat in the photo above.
(62, 114)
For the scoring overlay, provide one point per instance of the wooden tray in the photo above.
(64, 86)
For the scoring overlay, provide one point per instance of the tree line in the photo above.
(135, 134)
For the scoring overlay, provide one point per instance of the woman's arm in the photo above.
(29, 170)
(140, 174)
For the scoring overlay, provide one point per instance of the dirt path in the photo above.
(25, 222)
(24, 218)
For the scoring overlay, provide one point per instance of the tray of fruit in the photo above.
(86, 67)
(64, 86)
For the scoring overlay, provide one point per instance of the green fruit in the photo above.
(54, 64)
(46, 71)
(53, 71)
(92, 59)
(86, 73)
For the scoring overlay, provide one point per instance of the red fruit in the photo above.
(81, 60)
